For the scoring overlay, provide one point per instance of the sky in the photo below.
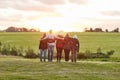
(66, 15)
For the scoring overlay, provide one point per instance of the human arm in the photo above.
(78, 45)
(44, 37)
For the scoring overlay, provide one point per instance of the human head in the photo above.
(44, 34)
(50, 31)
(75, 36)
(60, 33)
(67, 35)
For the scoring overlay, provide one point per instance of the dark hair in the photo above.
(44, 34)
(67, 35)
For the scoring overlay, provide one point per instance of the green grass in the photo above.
(16, 68)
(89, 41)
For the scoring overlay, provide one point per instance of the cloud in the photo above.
(11, 18)
(52, 2)
(79, 1)
(27, 5)
(111, 13)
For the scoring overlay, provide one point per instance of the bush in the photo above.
(109, 53)
(99, 51)
(20, 51)
(30, 54)
(0, 46)
(5, 50)
(81, 56)
(8, 50)
(99, 54)
(14, 51)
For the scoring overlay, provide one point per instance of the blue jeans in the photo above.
(41, 52)
(50, 52)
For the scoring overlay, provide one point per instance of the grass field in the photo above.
(16, 68)
(89, 41)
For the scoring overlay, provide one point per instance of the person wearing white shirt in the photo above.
(51, 43)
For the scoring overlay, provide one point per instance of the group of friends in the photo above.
(62, 43)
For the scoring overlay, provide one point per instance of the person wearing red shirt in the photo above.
(43, 47)
(59, 46)
(67, 46)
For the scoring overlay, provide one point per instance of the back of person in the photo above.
(51, 38)
(67, 46)
(74, 48)
(75, 44)
(43, 44)
(67, 43)
(43, 47)
(59, 42)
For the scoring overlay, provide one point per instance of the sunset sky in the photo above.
(66, 15)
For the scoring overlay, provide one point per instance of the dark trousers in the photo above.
(67, 52)
(59, 54)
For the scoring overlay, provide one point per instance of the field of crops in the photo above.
(88, 41)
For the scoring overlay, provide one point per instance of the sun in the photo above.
(70, 16)
(56, 24)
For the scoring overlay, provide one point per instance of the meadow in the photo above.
(16, 68)
(88, 41)
(19, 68)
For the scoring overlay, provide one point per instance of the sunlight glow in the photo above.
(69, 16)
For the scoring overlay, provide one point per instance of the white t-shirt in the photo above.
(50, 36)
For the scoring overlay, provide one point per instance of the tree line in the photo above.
(22, 29)
(100, 30)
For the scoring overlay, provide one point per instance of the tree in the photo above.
(11, 29)
(98, 30)
(116, 30)
(91, 30)
(106, 30)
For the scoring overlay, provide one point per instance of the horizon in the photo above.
(66, 15)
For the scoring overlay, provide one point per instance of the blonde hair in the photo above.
(75, 36)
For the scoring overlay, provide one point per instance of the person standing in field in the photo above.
(67, 46)
(43, 47)
(51, 43)
(74, 48)
(59, 46)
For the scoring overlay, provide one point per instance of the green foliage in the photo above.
(14, 51)
(81, 56)
(30, 53)
(99, 51)
(5, 50)
(0, 44)
(20, 51)
(99, 54)
(110, 52)
(0, 47)
(11, 50)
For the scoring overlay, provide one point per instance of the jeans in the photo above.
(74, 55)
(50, 52)
(41, 52)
